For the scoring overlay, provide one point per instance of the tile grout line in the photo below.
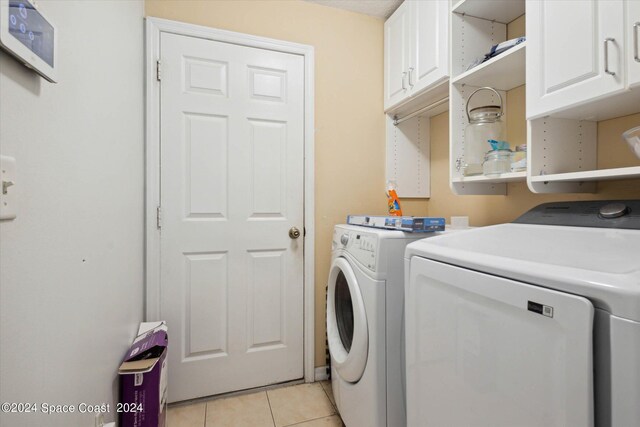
(335, 407)
(270, 408)
(335, 413)
(243, 392)
(206, 406)
(319, 383)
(311, 419)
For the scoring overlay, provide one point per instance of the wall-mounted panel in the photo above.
(407, 157)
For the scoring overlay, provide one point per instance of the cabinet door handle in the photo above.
(404, 83)
(636, 55)
(411, 76)
(606, 55)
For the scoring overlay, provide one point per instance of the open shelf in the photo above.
(592, 175)
(476, 25)
(502, 178)
(504, 72)
(503, 11)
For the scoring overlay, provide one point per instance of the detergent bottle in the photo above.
(393, 201)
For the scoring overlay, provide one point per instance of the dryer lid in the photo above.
(602, 264)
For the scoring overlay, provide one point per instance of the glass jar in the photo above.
(632, 136)
(519, 160)
(497, 162)
(484, 125)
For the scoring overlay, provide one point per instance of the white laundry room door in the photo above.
(231, 180)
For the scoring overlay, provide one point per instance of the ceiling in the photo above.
(378, 8)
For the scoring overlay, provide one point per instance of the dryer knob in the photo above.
(344, 239)
(614, 210)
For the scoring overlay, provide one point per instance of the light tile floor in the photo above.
(304, 405)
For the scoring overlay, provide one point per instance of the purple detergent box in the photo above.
(143, 379)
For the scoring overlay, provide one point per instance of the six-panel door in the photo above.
(231, 189)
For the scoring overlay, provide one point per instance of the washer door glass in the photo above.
(347, 328)
(344, 311)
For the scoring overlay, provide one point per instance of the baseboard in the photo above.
(321, 373)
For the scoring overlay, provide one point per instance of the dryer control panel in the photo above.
(597, 213)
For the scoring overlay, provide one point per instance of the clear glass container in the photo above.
(632, 136)
(497, 162)
(484, 124)
(519, 159)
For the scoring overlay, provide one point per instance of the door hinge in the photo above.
(158, 71)
(159, 217)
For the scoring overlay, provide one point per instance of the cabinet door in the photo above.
(429, 64)
(569, 60)
(396, 56)
(633, 37)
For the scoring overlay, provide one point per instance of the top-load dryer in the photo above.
(533, 323)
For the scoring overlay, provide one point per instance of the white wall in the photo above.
(71, 264)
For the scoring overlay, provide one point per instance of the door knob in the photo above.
(294, 233)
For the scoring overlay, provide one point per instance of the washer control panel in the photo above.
(362, 246)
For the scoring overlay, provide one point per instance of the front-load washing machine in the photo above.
(364, 324)
(533, 323)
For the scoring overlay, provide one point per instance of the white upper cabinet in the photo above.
(430, 52)
(416, 51)
(397, 49)
(575, 53)
(633, 42)
(581, 69)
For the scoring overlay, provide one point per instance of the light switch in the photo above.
(8, 199)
